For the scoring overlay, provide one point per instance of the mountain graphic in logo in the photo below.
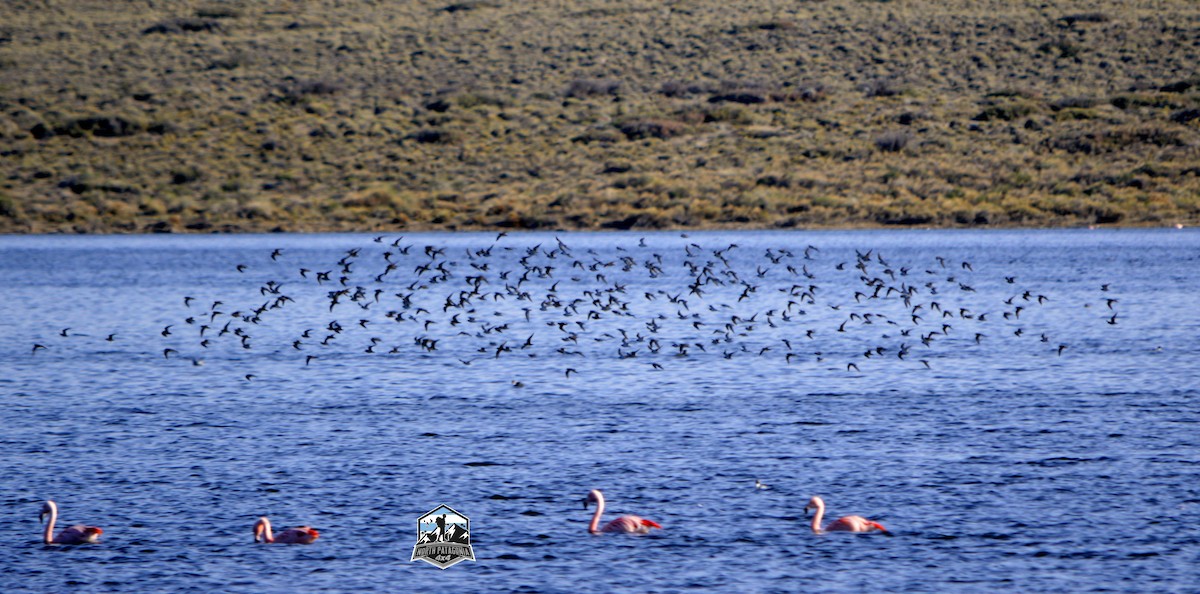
(443, 538)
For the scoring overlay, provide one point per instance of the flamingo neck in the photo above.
(263, 530)
(594, 527)
(818, 516)
(48, 534)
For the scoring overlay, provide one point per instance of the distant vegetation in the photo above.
(248, 115)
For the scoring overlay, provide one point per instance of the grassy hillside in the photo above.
(333, 114)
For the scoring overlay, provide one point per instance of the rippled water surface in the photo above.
(972, 391)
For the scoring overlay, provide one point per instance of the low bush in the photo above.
(1085, 17)
(295, 91)
(183, 25)
(1090, 142)
(600, 134)
(652, 128)
(807, 91)
(469, 5)
(1007, 112)
(1185, 116)
(892, 142)
(1074, 102)
(590, 87)
(1065, 49)
(433, 136)
(745, 98)
(9, 208)
(99, 126)
(1134, 100)
(681, 90)
(218, 11)
(882, 87)
(1179, 86)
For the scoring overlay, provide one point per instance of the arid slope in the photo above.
(176, 115)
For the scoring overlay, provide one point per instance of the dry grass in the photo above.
(180, 115)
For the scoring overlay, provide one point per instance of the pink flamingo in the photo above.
(299, 535)
(844, 524)
(77, 534)
(624, 524)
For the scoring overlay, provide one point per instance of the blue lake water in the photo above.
(972, 391)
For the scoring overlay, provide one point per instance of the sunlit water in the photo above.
(1065, 457)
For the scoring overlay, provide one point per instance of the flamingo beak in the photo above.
(651, 524)
(585, 502)
(879, 527)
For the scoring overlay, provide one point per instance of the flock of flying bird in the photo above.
(638, 303)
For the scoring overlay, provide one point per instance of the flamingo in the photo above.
(623, 524)
(299, 535)
(844, 524)
(77, 534)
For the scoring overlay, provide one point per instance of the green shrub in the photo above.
(892, 142)
(433, 136)
(218, 11)
(9, 208)
(1180, 86)
(1065, 49)
(469, 5)
(1007, 112)
(1085, 17)
(732, 114)
(590, 87)
(295, 91)
(882, 87)
(183, 25)
(1074, 103)
(652, 128)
